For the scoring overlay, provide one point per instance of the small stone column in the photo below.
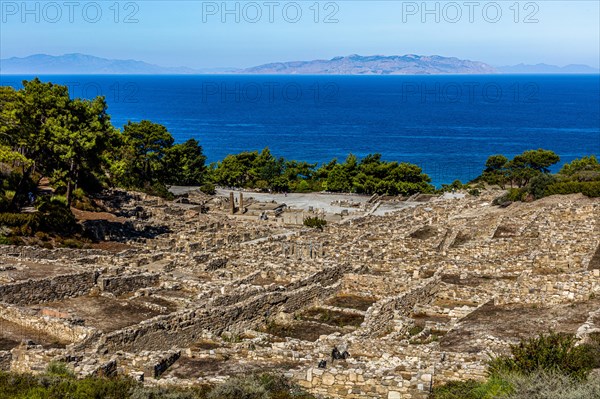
(241, 202)
(232, 202)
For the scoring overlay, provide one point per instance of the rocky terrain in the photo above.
(418, 295)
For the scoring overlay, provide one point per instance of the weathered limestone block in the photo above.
(159, 365)
(107, 369)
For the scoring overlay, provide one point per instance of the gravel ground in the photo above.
(305, 200)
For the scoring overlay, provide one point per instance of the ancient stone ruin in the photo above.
(418, 292)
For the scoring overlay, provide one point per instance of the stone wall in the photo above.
(155, 365)
(46, 254)
(325, 277)
(31, 358)
(48, 289)
(184, 328)
(459, 367)
(119, 285)
(410, 375)
(551, 289)
(355, 383)
(379, 317)
(240, 290)
(372, 285)
(60, 328)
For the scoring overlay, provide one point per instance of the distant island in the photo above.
(410, 64)
(83, 64)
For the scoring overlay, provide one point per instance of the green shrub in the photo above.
(539, 184)
(9, 194)
(141, 392)
(590, 189)
(208, 188)
(552, 352)
(315, 222)
(585, 164)
(302, 187)
(492, 388)
(4, 203)
(263, 386)
(516, 194)
(474, 192)
(15, 219)
(414, 330)
(512, 195)
(58, 368)
(552, 385)
(58, 200)
(158, 189)
(240, 388)
(58, 382)
(13, 385)
(54, 216)
(454, 186)
(72, 243)
(79, 194)
(81, 201)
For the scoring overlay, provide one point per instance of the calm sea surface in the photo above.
(446, 124)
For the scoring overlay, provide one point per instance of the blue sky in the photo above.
(200, 34)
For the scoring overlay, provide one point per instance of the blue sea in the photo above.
(448, 125)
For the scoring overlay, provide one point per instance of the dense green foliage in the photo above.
(550, 366)
(529, 177)
(58, 383)
(520, 170)
(147, 158)
(53, 217)
(591, 189)
(370, 175)
(45, 133)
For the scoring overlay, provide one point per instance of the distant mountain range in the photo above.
(376, 65)
(83, 64)
(409, 64)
